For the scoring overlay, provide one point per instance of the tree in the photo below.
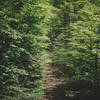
(23, 42)
(75, 43)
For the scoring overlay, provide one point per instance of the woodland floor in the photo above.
(56, 88)
(55, 85)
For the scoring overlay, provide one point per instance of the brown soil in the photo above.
(55, 85)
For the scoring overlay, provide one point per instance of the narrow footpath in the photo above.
(55, 85)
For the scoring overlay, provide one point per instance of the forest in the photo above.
(49, 49)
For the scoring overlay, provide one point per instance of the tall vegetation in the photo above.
(75, 43)
(23, 42)
(68, 29)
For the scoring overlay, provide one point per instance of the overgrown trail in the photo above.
(55, 85)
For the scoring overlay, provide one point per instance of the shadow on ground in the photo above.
(58, 93)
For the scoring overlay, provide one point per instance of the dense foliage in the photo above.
(68, 29)
(23, 42)
(76, 45)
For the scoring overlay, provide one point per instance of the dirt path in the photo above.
(55, 85)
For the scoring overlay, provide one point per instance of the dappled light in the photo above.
(49, 49)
